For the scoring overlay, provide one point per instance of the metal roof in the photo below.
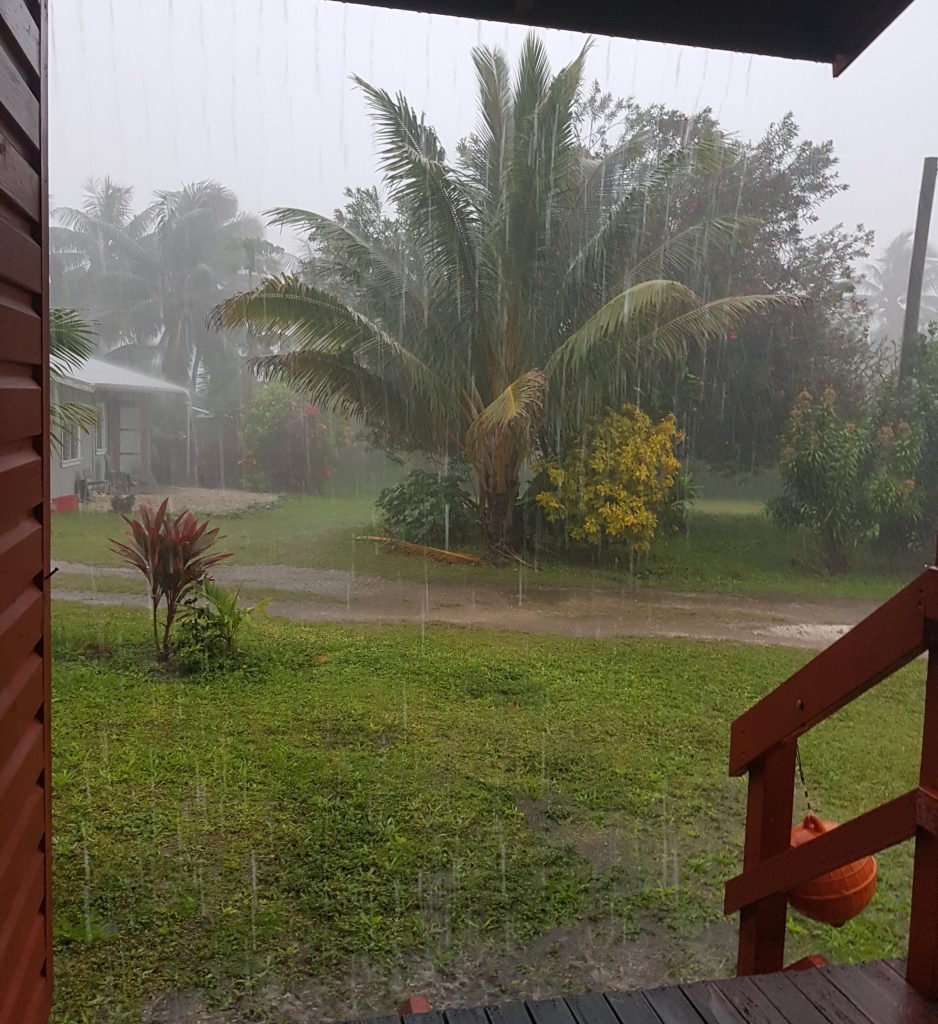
(832, 32)
(110, 377)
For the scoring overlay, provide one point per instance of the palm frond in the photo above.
(517, 409)
(712, 321)
(361, 393)
(413, 161)
(71, 339)
(374, 272)
(685, 251)
(313, 320)
(646, 300)
(64, 417)
(614, 241)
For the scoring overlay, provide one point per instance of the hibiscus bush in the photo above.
(287, 442)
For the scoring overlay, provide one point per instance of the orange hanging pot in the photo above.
(836, 897)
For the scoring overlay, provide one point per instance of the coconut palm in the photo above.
(102, 264)
(150, 279)
(886, 287)
(525, 287)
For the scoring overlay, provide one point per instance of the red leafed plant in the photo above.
(170, 550)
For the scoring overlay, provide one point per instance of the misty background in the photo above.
(256, 94)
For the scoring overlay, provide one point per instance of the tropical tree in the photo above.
(71, 342)
(102, 263)
(525, 291)
(886, 286)
(150, 279)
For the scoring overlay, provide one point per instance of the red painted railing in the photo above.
(763, 743)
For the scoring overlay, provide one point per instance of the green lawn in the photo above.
(730, 546)
(417, 797)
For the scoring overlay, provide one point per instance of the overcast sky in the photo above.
(256, 94)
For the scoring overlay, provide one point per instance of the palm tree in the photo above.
(203, 245)
(886, 286)
(150, 279)
(101, 263)
(71, 342)
(527, 287)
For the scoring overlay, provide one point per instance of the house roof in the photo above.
(832, 32)
(104, 376)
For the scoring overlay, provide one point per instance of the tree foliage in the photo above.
(521, 289)
(150, 278)
(843, 478)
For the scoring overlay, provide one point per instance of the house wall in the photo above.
(65, 472)
(125, 447)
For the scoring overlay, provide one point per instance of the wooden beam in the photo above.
(881, 644)
(768, 833)
(922, 970)
(887, 825)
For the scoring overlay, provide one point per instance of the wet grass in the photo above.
(380, 795)
(730, 546)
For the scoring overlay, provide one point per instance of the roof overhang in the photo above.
(101, 375)
(831, 32)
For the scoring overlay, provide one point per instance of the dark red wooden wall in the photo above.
(25, 775)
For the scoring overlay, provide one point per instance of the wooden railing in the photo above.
(763, 743)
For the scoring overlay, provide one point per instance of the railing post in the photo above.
(768, 832)
(922, 970)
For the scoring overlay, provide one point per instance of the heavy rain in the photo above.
(455, 427)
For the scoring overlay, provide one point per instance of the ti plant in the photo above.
(171, 551)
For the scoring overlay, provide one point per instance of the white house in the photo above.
(117, 452)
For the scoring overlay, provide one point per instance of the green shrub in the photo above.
(842, 479)
(210, 622)
(430, 508)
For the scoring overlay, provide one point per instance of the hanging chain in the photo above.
(804, 784)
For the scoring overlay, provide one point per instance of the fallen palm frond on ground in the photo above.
(406, 548)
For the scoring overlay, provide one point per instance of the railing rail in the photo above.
(763, 742)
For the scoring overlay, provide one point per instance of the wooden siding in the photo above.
(25, 869)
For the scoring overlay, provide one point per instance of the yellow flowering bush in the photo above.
(615, 482)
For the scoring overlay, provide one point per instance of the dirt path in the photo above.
(331, 595)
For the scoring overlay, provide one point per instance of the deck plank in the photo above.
(873, 993)
(672, 1006)
(823, 994)
(433, 1017)
(711, 1003)
(591, 1008)
(753, 1006)
(550, 1011)
(913, 1008)
(866, 994)
(466, 1015)
(508, 1013)
(632, 1008)
(789, 1000)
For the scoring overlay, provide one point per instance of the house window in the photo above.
(71, 446)
(100, 429)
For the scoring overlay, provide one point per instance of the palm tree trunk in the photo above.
(498, 481)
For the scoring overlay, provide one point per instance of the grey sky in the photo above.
(256, 93)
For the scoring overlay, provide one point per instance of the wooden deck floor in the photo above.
(872, 993)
